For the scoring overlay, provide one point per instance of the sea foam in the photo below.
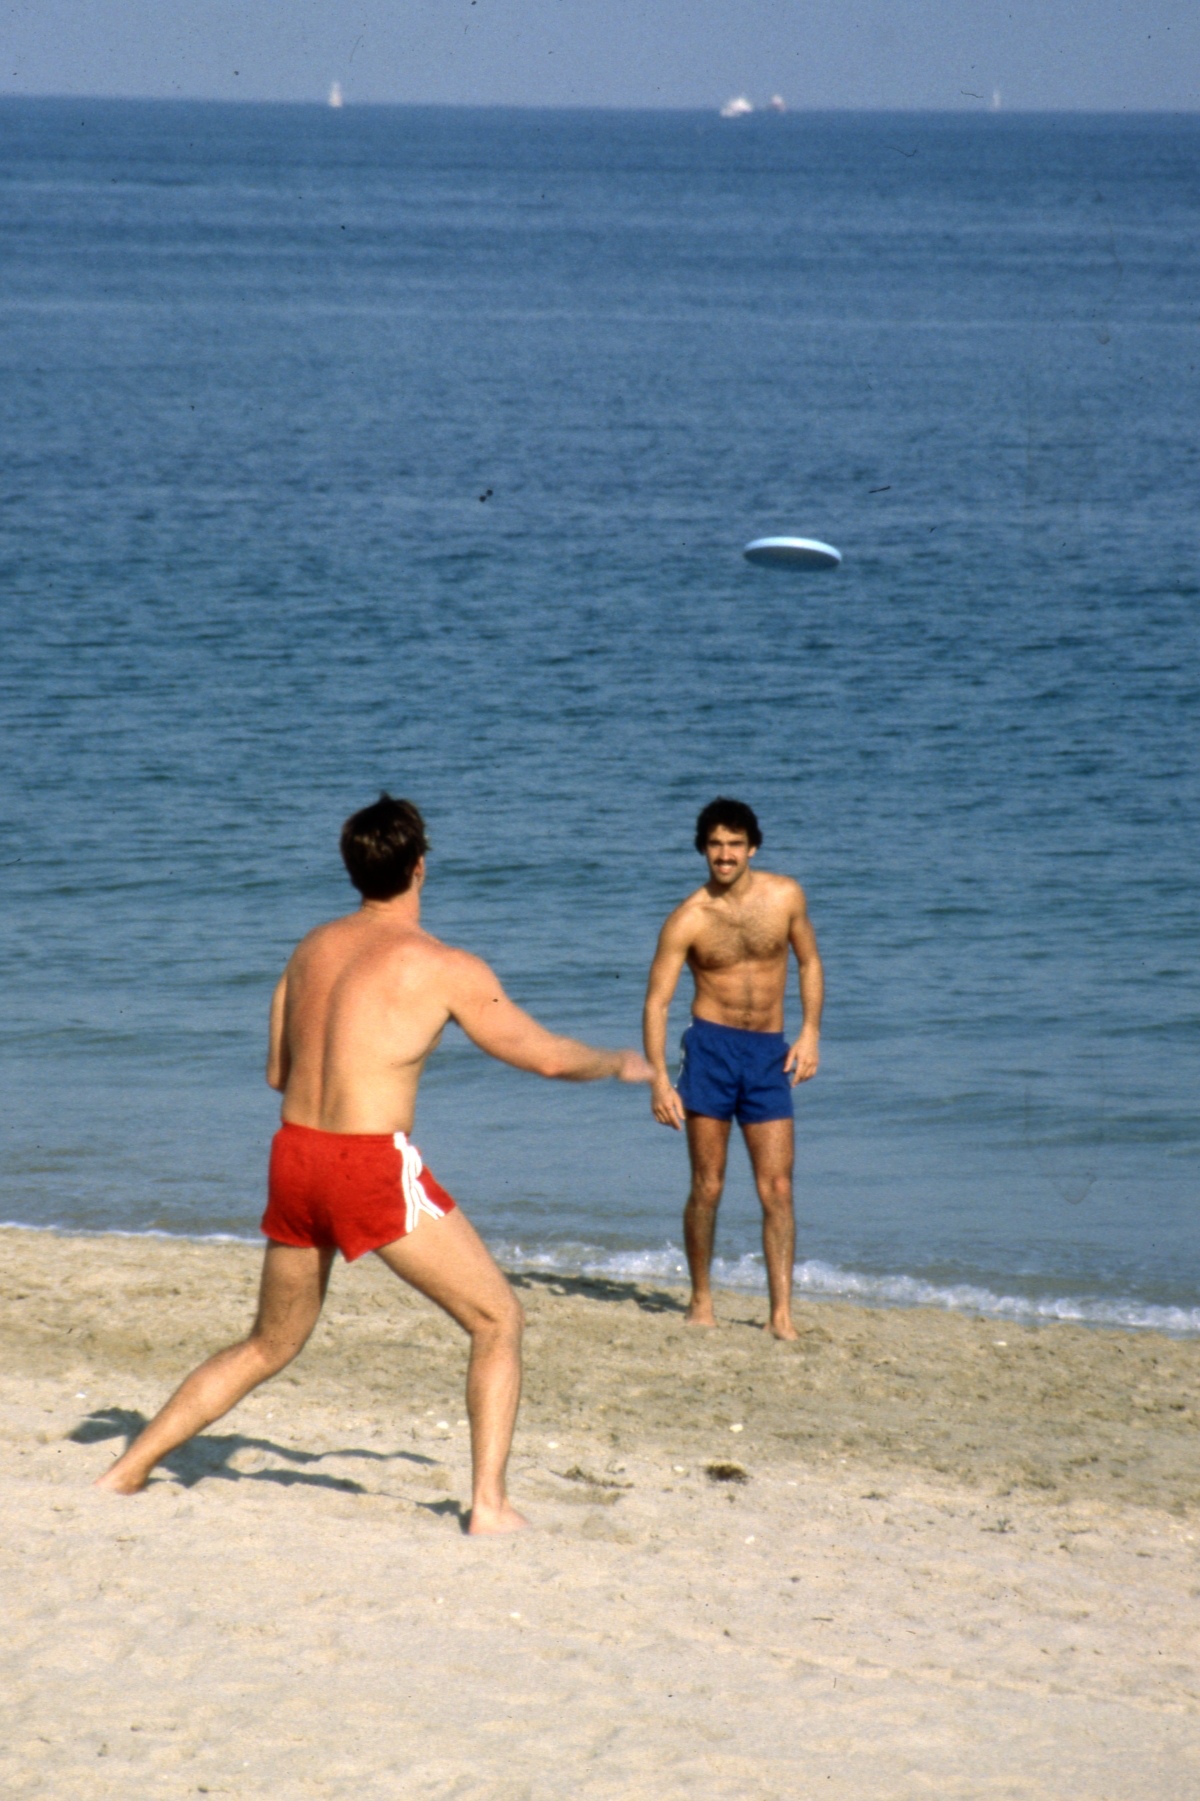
(814, 1279)
(825, 1281)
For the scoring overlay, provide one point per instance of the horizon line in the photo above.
(985, 109)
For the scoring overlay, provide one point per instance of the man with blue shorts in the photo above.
(735, 934)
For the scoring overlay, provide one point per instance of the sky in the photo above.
(1094, 55)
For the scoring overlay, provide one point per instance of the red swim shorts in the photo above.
(354, 1191)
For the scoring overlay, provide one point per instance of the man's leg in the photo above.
(289, 1304)
(708, 1147)
(447, 1260)
(770, 1143)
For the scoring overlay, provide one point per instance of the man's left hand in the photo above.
(803, 1058)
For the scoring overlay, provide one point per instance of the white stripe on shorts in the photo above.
(416, 1201)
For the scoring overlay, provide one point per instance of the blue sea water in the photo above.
(417, 447)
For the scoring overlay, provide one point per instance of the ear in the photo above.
(418, 880)
(753, 849)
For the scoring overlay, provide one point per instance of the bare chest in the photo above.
(724, 941)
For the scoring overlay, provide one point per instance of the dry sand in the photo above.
(955, 1567)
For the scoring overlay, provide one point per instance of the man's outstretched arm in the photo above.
(478, 1003)
(665, 1103)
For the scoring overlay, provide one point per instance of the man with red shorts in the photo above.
(357, 1010)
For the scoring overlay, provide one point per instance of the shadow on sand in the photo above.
(599, 1288)
(209, 1454)
(447, 1510)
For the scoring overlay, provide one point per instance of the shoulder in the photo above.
(416, 967)
(686, 918)
(313, 944)
(781, 891)
(328, 932)
(461, 970)
(417, 957)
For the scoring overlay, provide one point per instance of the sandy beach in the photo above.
(916, 1554)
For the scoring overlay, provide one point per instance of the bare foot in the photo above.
(782, 1328)
(700, 1313)
(118, 1484)
(488, 1520)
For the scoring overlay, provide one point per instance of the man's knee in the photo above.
(514, 1317)
(273, 1352)
(705, 1193)
(775, 1193)
(502, 1316)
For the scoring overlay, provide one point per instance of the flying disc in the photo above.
(792, 553)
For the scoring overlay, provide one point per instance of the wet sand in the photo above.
(915, 1554)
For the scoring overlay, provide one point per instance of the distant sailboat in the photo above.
(777, 105)
(335, 94)
(995, 100)
(737, 108)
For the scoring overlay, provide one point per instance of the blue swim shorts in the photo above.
(730, 1074)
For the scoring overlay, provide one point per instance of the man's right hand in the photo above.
(665, 1103)
(634, 1068)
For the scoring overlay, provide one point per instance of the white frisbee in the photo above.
(792, 553)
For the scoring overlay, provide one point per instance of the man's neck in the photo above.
(402, 909)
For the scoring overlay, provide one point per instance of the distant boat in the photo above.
(777, 105)
(335, 94)
(737, 108)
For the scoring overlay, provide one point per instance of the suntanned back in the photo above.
(364, 1000)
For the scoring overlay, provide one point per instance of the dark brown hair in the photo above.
(381, 847)
(734, 815)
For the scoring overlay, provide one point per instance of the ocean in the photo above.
(416, 447)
